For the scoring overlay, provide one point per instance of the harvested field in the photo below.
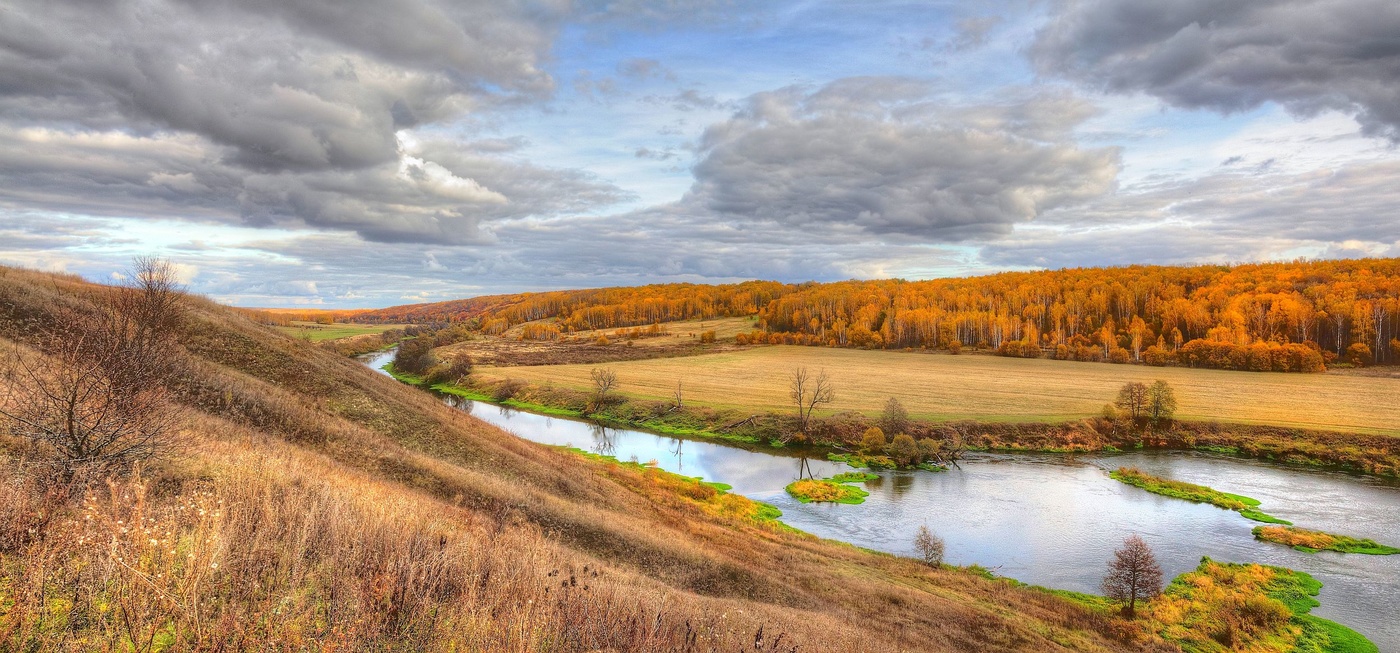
(940, 386)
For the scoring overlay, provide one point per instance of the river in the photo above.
(1048, 519)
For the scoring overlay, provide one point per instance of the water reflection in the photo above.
(1051, 520)
(602, 440)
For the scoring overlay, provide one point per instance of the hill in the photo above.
(314, 504)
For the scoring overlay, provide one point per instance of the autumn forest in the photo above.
(1294, 316)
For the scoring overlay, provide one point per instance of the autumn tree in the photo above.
(873, 441)
(1133, 574)
(1132, 400)
(929, 546)
(95, 397)
(808, 392)
(904, 450)
(1161, 402)
(604, 382)
(894, 418)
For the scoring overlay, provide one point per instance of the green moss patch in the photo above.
(826, 490)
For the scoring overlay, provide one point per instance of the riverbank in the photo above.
(841, 433)
(1228, 606)
(1016, 489)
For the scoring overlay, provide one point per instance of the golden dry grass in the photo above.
(938, 386)
(346, 511)
(685, 332)
(322, 332)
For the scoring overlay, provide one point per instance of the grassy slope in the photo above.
(275, 419)
(998, 389)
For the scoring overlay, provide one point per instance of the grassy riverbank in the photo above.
(1220, 607)
(1195, 493)
(842, 431)
(1311, 541)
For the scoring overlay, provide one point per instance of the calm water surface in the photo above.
(1050, 519)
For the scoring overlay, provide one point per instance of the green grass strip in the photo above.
(1195, 493)
(1310, 541)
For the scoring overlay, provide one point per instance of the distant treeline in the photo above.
(286, 316)
(1294, 316)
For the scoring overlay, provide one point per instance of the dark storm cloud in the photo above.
(870, 154)
(1234, 55)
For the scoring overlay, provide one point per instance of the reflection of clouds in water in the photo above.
(1053, 521)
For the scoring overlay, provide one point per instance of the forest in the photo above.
(1286, 316)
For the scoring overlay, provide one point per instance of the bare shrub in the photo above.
(506, 390)
(94, 397)
(929, 546)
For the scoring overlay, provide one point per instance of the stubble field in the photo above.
(940, 386)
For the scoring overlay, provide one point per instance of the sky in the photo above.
(368, 153)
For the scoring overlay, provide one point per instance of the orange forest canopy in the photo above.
(1283, 316)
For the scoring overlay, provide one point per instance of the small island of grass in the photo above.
(837, 489)
(1311, 541)
(1196, 493)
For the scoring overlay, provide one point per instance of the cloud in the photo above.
(972, 32)
(1229, 56)
(1229, 215)
(283, 85)
(269, 113)
(643, 69)
(873, 156)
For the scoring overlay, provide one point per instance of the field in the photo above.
(679, 333)
(322, 332)
(939, 386)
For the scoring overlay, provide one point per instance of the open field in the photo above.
(686, 332)
(321, 332)
(938, 386)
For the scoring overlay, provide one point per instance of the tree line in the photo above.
(1290, 316)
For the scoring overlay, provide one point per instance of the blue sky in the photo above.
(341, 155)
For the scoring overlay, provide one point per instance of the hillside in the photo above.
(1241, 317)
(315, 504)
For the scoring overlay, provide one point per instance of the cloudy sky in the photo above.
(341, 153)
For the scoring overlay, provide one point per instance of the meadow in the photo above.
(323, 332)
(992, 388)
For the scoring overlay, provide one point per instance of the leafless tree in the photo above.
(1133, 574)
(604, 382)
(808, 392)
(94, 397)
(679, 397)
(894, 419)
(929, 546)
(1132, 400)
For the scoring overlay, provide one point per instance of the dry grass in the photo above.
(938, 386)
(323, 332)
(346, 511)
